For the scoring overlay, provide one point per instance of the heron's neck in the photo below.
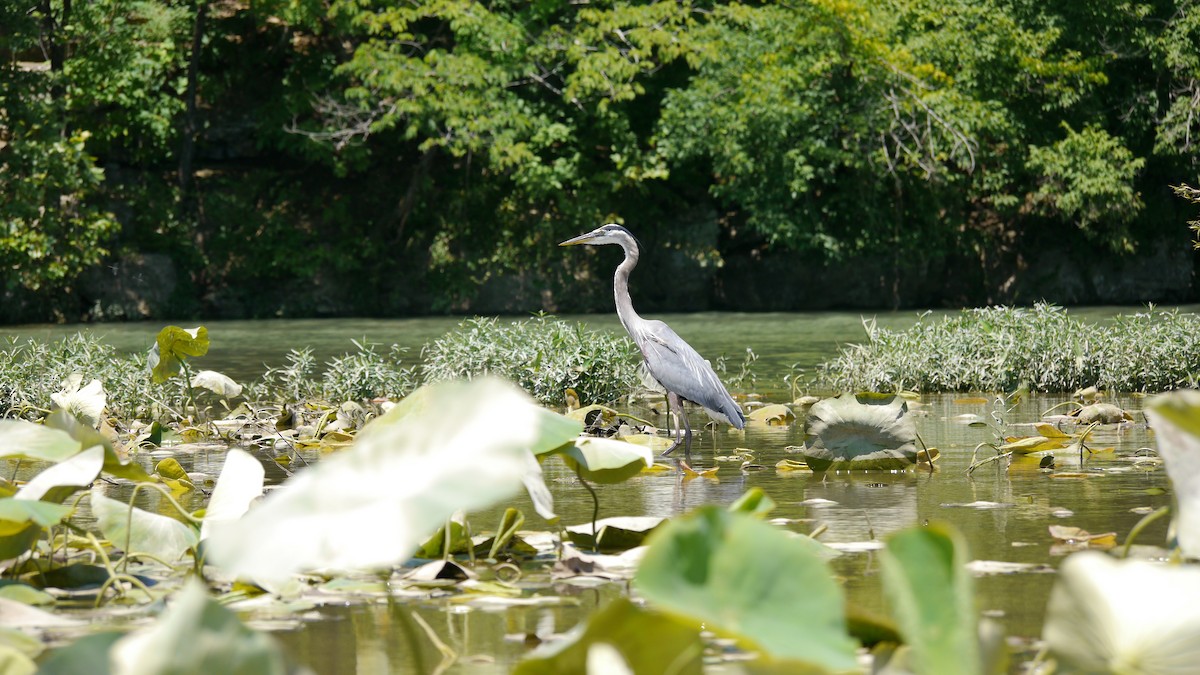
(629, 318)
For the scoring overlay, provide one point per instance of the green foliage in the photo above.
(543, 355)
(1088, 177)
(52, 228)
(1001, 348)
(744, 578)
(464, 139)
(31, 371)
(932, 595)
(1192, 195)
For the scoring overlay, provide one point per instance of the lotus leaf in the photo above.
(197, 635)
(453, 446)
(65, 478)
(1176, 421)
(218, 383)
(930, 590)
(136, 531)
(1127, 616)
(1102, 413)
(87, 403)
(860, 432)
(743, 577)
(604, 460)
(172, 346)
(775, 414)
(645, 641)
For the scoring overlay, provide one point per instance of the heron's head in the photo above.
(605, 234)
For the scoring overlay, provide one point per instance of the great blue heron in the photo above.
(673, 363)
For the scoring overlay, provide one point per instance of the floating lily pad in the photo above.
(613, 534)
(860, 432)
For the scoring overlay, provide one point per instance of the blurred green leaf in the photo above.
(742, 577)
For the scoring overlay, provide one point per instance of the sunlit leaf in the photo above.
(745, 578)
(510, 522)
(1176, 421)
(1024, 446)
(454, 446)
(58, 482)
(197, 635)
(1130, 616)
(754, 502)
(1050, 431)
(218, 383)
(13, 662)
(240, 483)
(775, 414)
(649, 643)
(87, 403)
(435, 545)
(603, 460)
(141, 531)
(931, 594)
(17, 510)
(85, 436)
(172, 345)
(19, 438)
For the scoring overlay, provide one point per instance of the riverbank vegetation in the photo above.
(1042, 347)
(262, 159)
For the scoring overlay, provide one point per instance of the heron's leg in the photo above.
(675, 404)
(687, 433)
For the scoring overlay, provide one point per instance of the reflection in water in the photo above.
(372, 635)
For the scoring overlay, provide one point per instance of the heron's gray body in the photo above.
(680, 369)
(670, 361)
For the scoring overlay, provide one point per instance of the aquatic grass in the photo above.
(368, 374)
(1043, 347)
(543, 355)
(31, 370)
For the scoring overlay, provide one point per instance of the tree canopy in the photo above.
(434, 149)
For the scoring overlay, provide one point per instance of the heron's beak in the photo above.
(581, 239)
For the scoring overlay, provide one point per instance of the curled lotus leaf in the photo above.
(860, 432)
(1103, 413)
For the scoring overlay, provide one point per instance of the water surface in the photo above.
(1103, 492)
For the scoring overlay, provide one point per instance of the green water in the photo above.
(1098, 495)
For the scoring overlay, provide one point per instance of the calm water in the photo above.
(1098, 495)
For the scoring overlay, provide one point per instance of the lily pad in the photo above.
(613, 534)
(860, 432)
